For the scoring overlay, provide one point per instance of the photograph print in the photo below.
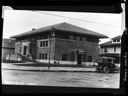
(59, 48)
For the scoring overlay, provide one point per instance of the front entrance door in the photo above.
(33, 48)
(25, 50)
(79, 59)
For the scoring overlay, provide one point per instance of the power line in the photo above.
(77, 19)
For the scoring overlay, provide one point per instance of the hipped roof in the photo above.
(110, 43)
(64, 27)
(116, 38)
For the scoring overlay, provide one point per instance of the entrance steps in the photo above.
(18, 57)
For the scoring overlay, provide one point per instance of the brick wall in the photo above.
(8, 43)
(6, 51)
(18, 45)
(46, 49)
(8, 47)
(63, 46)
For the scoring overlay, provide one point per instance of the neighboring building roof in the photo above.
(106, 43)
(8, 43)
(110, 43)
(64, 27)
(116, 38)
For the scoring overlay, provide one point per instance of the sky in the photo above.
(20, 21)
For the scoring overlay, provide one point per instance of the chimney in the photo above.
(33, 28)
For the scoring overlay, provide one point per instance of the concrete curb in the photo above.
(49, 70)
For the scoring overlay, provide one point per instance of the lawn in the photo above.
(38, 64)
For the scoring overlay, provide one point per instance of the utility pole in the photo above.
(50, 38)
(49, 49)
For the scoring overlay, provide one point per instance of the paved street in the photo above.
(72, 79)
(35, 68)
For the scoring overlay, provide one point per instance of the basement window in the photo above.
(64, 57)
(89, 58)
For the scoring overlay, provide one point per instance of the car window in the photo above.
(109, 60)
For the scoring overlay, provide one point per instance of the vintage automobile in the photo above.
(106, 65)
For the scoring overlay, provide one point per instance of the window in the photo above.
(74, 37)
(46, 43)
(78, 38)
(64, 36)
(43, 43)
(64, 57)
(114, 48)
(105, 49)
(71, 37)
(89, 58)
(45, 37)
(43, 55)
(40, 55)
(114, 40)
(81, 38)
(84, 38)
(118, 40)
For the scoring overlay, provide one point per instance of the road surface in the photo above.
(67, 79)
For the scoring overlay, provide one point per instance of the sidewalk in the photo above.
(11, 66)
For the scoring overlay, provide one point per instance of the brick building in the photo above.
(8, 47)
(64, 43)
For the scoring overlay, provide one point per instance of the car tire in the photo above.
(106, 69)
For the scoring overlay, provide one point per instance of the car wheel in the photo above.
(106, 69)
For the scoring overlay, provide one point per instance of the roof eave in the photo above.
(99, 36)
(22, 35)
(109, 45)
(104, 37)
